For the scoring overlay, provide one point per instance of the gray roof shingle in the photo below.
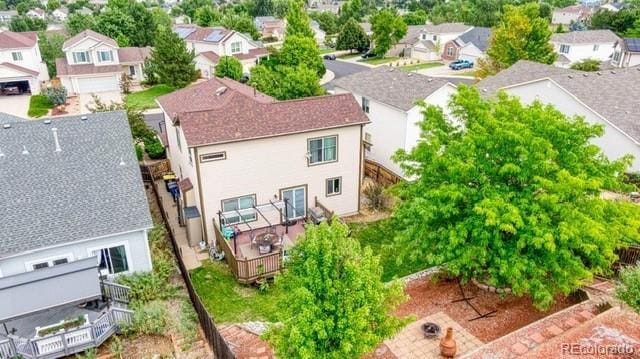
(585, 37)
(478, 36)
(609, 93)
(447, 28)
(91, 188)
(391, 86)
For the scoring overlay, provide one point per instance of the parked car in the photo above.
(369, 54)
(461, 64)
(329, 57)
(11, 90)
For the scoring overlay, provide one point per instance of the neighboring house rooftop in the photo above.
(631, 44)
(15, 40)
(89, 33)
(573, 9)
(203, 34)
(222, 110)
(446, 28)
(63, 10)
(585, 37)
(128, 55)
(391, 86)
(91, 188)
(478, 36)
(412, 36)
(606, 92)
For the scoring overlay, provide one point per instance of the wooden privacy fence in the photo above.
(153, 171)
(380, 174)
(629, 256)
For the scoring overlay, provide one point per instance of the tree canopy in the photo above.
(336, 304)
(511, 197)
(388, 29)
(587, 65)
(51, 49)
(23, 23)
(171, 63)
(229, 66)
(352, 37)
(298, 23)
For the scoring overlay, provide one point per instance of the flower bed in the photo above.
(63, 325)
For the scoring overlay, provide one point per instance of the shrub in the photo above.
(587, 65)
(139, 152)
(150, 318)
(374, 192)
(629, 289)
(116, 348)
(154, 148)
(57, 95)
(125, 84)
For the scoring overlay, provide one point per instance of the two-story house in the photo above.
(95, 63)
(211, 43)
(75, 215)
(576, 46)
(60, 14)
(389, 98)
(235, 149)
(471, 46)
(626, 53)
(426, 42)
(270, 27)
(21, 64)
(569, 14)
(37, 13)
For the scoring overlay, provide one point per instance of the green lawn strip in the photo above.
(379, 236)
(230, 302)
(379, 60)
(39, 105)
(348, 56)
(328, 50)
(422, 66)
(145, 99)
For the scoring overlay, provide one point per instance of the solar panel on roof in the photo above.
(183, 32)
(633, 44)
(214, 36)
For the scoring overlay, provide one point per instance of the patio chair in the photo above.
(252, 236)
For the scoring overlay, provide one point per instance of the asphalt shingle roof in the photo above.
(609, 93)
(478, 36)
(391, 86)
(91, 188)
(89, 33)
(447, 28)
(585, 37)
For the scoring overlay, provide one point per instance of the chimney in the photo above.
(55, 139)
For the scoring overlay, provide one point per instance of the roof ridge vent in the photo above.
(24, 150)
(55, 139)
(221, 90)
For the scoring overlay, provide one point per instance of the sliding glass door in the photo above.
(296, 201)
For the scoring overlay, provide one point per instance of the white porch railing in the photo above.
(7, 349)
(116, 292)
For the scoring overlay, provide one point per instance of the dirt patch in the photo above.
(148, 346)
(428, 296)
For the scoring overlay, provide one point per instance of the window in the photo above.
(450, 51)
(322, 150)
(434, 37)
(616, 56)
(238, 203)
(178, 139)
(17, 56)
(236, 47)
(216, 156)
(423, 36)
(596, 47)
(49, 262)
(296, 199)
(105, 56)
(113, 260)
(367, 137)
(81, 57)
(365, 105)
(564, 49)
(334, 186)
(132, 70)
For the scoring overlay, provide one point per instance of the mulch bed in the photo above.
(428, 296)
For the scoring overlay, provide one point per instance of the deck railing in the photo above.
(116, 292)
(7, 349)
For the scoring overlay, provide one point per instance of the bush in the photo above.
(587, 65)
(139, 152)
(150, 318)
(374, 193)
(629, 289)
(57, 95)
(154, 148)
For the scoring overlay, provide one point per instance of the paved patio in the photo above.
(25, 327)
(410, 342)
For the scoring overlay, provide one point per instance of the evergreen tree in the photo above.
(352, 37)
(170, 60)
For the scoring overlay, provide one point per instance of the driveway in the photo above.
(86, 99)
(17, 105)
(341, 69)
(154, 118)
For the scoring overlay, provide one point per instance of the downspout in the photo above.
(200, 196)
(360, 179)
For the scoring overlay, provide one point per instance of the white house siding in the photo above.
(135, 243)
(263, 167)
(421, 53)
(578, 52)
(613, 143)
(207, 69)
(439, 98)
(11, 75)
(471, 53)
(31, 58)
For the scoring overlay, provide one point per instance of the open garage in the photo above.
(15, 88)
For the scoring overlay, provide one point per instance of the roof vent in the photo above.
(599, 73)
(1, 154)
(83, 117)
(613, 72)
(429, 79)
(47, 122)
(24, 150)
(6, 125)
(409, 74)
(221, 90)
(122, 163)
(585, 75)
(570, 76)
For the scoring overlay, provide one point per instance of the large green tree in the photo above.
(24, 23)
(418, 17)
(336, 304)
(171, 61)
(298, 50)
(207, 16)
(286, 82)
(352, 9)
(388, 29)
(510, 196)
(352, 37)
(229, 66)
(521, 35)
(77, 23)
(51, 48)
(298, 23)
(328, 21)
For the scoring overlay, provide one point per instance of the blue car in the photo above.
(461, 64)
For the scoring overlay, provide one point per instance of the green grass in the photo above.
(379, 60)
(379, 236)
(327, 50)
(230, 302)
(348, 56)
(145, 99)
(422, 66)
(39, 105)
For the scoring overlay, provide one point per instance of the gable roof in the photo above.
(222, 110)
(606, 92)
(213, 35)
(585, 37)
(413, 34)
(447, 28)
(89, 189)
(478, 36)
(15, 40)
(133, 54)
(573, 9)
(391, 86)
(86, 34)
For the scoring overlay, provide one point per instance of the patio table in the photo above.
(265, 242)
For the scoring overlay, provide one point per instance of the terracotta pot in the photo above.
(448, 347)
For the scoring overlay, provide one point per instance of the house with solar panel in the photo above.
(211, 43)
(626, 53)
(74, 217)
(576, 46)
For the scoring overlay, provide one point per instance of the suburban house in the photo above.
(37, 13)
(612, 6)
(95, 63)
(251, 164)
(626, 53)
(60, 14)
(318, 34)
(270, 27)
(600, 97)
(21, 65)
(75, 216)
(569, 14)
(576, 46)
(471, 45)
(426, 42)
(7, 15)
(210, 43)
(389, 98)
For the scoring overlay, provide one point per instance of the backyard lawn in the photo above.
(39, 105)
(230, 302)
(379, 60)
(145, 99)
(422, 66)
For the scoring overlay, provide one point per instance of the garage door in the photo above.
(98, 84)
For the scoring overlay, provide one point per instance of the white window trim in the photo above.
(19, 55)
(239, 50)
(127, 251)
(100, 52)
(29, 264)
(309, 163)
(75, 59)
(240, 220)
